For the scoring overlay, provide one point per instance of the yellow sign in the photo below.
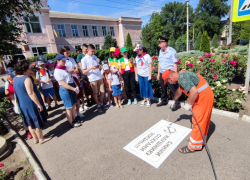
(241, 10)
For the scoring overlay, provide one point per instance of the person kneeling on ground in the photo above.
(67, 91)
(116, 85)
(200, 102)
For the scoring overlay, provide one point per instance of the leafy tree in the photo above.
(150, 34)
(171, 42)
(245, 33)
(109, 42)
(237, 27)
(11, 14)
(210, 13)
(128, 42)
(205, 43)
(215, 41)
(174, 18)
(198, 42)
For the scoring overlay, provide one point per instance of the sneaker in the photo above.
(29, 136)
(99, 109)
(88, 103)
(81, 109)
(176, 107)
(46, 105)
(148, 104)
(74, 125)
(104, 107)
(143, 103)
(78, 120)
(85, 107)
(56, 106)
(135, 101)
(49, 108)
(111, 105)
(80, 115)
(129, 102)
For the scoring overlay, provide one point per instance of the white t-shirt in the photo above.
(87, 62)
(52, 74)
(62, 75)
(114, 79)
(127, 68)
(71, 64)
(143, 65)
(45, 78)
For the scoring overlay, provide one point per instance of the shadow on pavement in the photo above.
(91, 113)
(189, 117)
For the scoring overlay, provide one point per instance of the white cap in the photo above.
(105, 67)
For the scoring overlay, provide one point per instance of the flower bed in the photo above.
(219, 71)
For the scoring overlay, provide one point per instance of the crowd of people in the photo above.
(33, 86)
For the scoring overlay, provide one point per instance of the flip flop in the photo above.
(185, 150)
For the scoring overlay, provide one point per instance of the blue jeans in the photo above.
(146, 89)
(68, 97)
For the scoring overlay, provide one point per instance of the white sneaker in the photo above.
(81, 109)
(148, 104)
(111, 105)
(143, 103)
(80, 115)
(85, 107)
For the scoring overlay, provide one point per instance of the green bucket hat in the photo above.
(123, 49)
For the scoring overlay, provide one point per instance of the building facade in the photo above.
(73, 30)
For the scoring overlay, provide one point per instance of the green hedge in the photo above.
(102, 54)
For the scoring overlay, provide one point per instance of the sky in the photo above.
(114, 8)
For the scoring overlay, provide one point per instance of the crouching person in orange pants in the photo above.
(200, 101)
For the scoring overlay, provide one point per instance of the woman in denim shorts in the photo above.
(67, 90)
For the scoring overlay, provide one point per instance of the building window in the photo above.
(61, 30)
(85, 31)
(78, 47)
(97, 46)
(32, 24)
(104, 30)
(95, 31)
(112, 31)
(36, 50)
(74, 30)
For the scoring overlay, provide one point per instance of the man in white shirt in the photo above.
(91, 68)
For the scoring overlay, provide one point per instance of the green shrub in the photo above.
(198, 42)
(128, 42)
(190, 54)
(205, 43)
(215, 41)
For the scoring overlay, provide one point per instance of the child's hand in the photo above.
(110, 89)
(7, 92)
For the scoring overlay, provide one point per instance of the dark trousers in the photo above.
(129, 82)
(172, 87)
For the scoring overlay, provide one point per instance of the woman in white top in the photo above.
(143, 73)
(72, 67)
(68, 89)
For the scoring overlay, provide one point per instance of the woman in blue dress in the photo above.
(30, 103)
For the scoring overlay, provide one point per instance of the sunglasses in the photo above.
(161, 41)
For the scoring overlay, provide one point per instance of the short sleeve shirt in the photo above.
(62, 75)
(142, 64)
(45, 78)
(89, 61)
(167, 59)
(71, 64)
(79, 57)
(114, 79)
(187, 80)
(6, 85)
(127, 68)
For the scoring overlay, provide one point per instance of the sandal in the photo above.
(185, 150)
(117, 106)
(121, 106)
(45, 140)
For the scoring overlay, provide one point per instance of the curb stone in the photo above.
(220, 112)
(37, 169)
(246, 118)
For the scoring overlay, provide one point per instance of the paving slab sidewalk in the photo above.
(95, 150)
